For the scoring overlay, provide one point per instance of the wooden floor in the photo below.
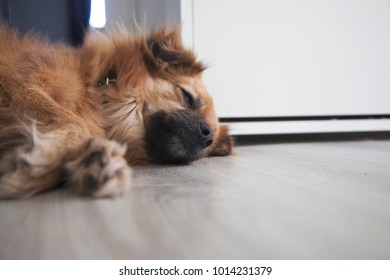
(319, 200)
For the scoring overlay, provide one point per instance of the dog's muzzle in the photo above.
(177, 137)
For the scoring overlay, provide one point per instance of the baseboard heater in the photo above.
(307, 124)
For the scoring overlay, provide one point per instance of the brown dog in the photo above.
(80, 116)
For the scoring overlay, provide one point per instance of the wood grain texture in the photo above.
(324, 200)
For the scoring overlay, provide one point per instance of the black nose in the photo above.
(207, 133)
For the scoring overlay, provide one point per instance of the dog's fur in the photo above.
(82, 116)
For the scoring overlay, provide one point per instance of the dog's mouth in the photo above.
(177, 137)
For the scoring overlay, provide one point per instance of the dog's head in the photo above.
(153, 98)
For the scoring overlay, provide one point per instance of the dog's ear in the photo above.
(223, 143)
(166, 53)
(166, 49)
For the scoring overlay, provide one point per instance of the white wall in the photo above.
(295, 58)
(120, 11)
(146, 13)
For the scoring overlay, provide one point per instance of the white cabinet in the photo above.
(296, 63)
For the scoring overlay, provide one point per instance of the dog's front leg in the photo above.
(93, 167)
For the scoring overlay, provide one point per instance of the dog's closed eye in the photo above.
(189, 100)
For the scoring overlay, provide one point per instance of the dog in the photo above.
(83, 116)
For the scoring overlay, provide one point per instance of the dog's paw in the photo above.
(100, 169)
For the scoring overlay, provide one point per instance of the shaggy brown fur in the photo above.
(84, 115)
